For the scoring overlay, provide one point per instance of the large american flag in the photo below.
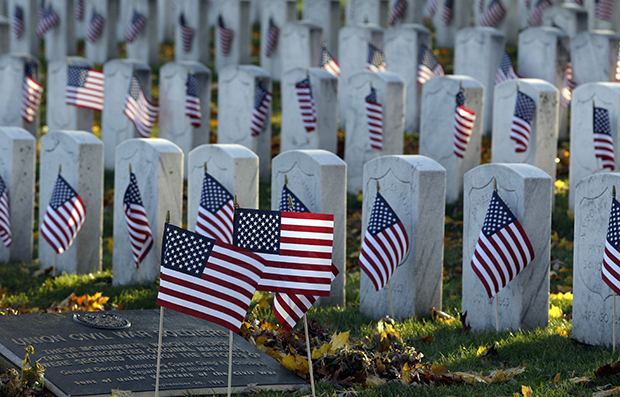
(431, 7)
(306, 103)
(604, 9)
(262, 99)
(494, 13)
(385, 243)
(376, 60)
(192, 101)
(31, 92)
(206, 278)
(138, 109)
(79, 10)
(568, 85)
(225, 35)
(610, 270)
(535, 16)
(140, 234)
(5, 215)
(505, 71)
(374, 120)
(503, 249)
(271, 41)
(84, 87)
(329, 63)
(448, 10)
(95, 27)
(136, 26)
(296, 248)
(522, 121)
(603, 142)
(17, 22)
(64, 216)
(429, 66)
(215, 211)
(187, 34)
(464, 120)
(47, 21)
(397, 12)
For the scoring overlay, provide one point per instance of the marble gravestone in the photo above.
(158, 166)
(477, 53)
(237, 91)
(367, 11)
(318, 179)
(235, 16)
(174, 124)
(5, 35)
(324, 87)
(301, 41)
(60, 41)
(414, 13)
(280, 12)
(415, 187)
(78, 157)
(583, 160)
(326, 14)
(402, 47)
(447, 35)
(18, 151)
(12, 74)
(196, 15)
(437, 128)
(527, 191)
(115, 126)
(571, 18)
(510, 24)
(146, 46)
(594, 56)
(105, 46)
(29, 42)
(390, 93)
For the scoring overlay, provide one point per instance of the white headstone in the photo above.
(571, 18)
(235, 16)
(115, 125)
(174, 125)
(5, 35)
(415, 187)
(80, 154)
(29, 42)
(196, 15)
(510, 23)
(165, 20)
(414, 13)
(594, 22)
(446, 35)
(326, 14)
(437, 128)
(158, 166)
(390, 92)
(12, 74)
(527, 191)
(236, 97)
(367, 11)
(18, 151)
(301, 41)
(280, 12)
(594, 56)
(402, 49)
(60, 41)
(293, 134)
(105, 46)
(145, 47)
(318, 179)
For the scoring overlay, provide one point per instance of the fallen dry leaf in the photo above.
(527, 391)
(580, 380)
(607, 370)
(614, 390)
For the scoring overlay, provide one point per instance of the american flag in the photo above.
(192, 102)
(5, 215)
(374, 119)
(429, 66)
(64, 216)
(578, 2)
(306, 104)
(463, 125)
(505, 71)
(187, 34)
(84, 87)
(503, 249)
(47, 21)
(494, 13)
(329, 63)
(535, 17)
(397, 11)
(618, 66)
(480, 4)
(95, 27)
(215, 212)
(610, 270)
(17, 22)
(206, 278)
(138, 109)
(296, 248)
(448, 10)
(376, 60)
(295, 202)
(79, 10)
(604, 9)
(431, 7)
(522, 121)
(385, 243)
(603, 143)
(136, 25)
(225, 35)
(262, 99)
(568, 85)
(31, 92)
(140, 233)
(272, 38)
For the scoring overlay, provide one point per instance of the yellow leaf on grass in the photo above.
(289, 362)
(261, 340)
(405, 375)
(554, 236)
(527, 391)
(580, 380)
(562, 332)
(555, 312)
(609, 392)
(556, 380)
(320, 352)
(339, 341)
(373, 381)
(439, 369)
(470, 377)
(481, 351)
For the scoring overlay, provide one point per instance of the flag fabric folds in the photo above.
(84, 87)
(136, 26)
(374, 119)
(306, 104)
(140, 234)
(48, 20)
(505, 71)
(493, 15)
(376, 59)
(604, 9)
(428, 66)
(206, 278)
(448, 10)
(79, 10)
(618, 66)
(568, 85)
(224, 35)
(328, 62)
(31, 92)
(603, 143)
(187, 34)
(5, 215)
(431, 7)
(522, 121)
(397, 11)
(215, 211)
(610, 271)
(285, 206)
(17, 22)
(273, 32)
(95, 27)
(192, 101)
(535, 16)
(64, 216)
(464, 120)
(262, 99)
(138, 109)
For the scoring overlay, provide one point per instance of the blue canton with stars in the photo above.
(375, 56)
(192, 85)
(132, 194)
(76, 76)
(505, 63)
(427, 58)
(381, 217)
(613, 230)
(261, 94)
(298, 205)
(498, 216)
(184, 251)
(601, 121)
(2, 185)
(214, 196)
(257, 230)
(62, 193)
(525, 107)
(32, 70)
(460, 98)
(135, 87)
(372, 97)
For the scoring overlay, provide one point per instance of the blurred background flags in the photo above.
(376, 59)
(262, 99)
(5, 215)
(192, 102)
(397, 12)
(464, 120)
(603, 142)
(493, 15)
(328, 62)
(79, 10)
(568, 85)
(187, 34)
(136, 25)
(374, 120)
(215, 211)
(138, 109)
(306, 104)
(48, 20)
(95, 27)
(505, 71)
(604, 9)
(31, 92)
(17, 22)
(225, 35)
(448, 11)
(428, 66)
(522, 121)
(610, 271)
(138, 226)
(273, 32)
(535, 16)
(84, 87)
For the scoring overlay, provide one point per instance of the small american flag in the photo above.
(464, 120)
(385, 243)
(187, 34)
(493, 15)
(138, 226)
(31, 92)
(610, 270)
(138, 109)
(295, 202)
(535, 17)
(79, 10)
(262, 99)
(522, 121)
(604, 9)
(568, 85)
(505, 71)
(136, 26)
(47, 21)
(503, 249)
(206, 278)
(84, 87)
(64, 216)
(376, 60)
(448, 10)
(603, 143)
(431, 7)
(225, 35)
(480, 4)
(215, 212)
(374, 120)
(17, 22)
(192, 101)
(397, 11)
(273, 32)
(95, 27)
(428, 66)
(306, 104)
(5, 215)
(329, 63)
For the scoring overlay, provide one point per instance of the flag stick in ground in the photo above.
(230, 349)
(161, 331)
(613, 193)
(496, 299)
(388, 283)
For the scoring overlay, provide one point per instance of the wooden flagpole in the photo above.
(55, 253)
(161, 331)
(613, 192)
(230, 351)
(496, 298)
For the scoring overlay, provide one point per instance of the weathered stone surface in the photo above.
(367, 11)
(301, 41)
(594, 56)
(571, 18)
